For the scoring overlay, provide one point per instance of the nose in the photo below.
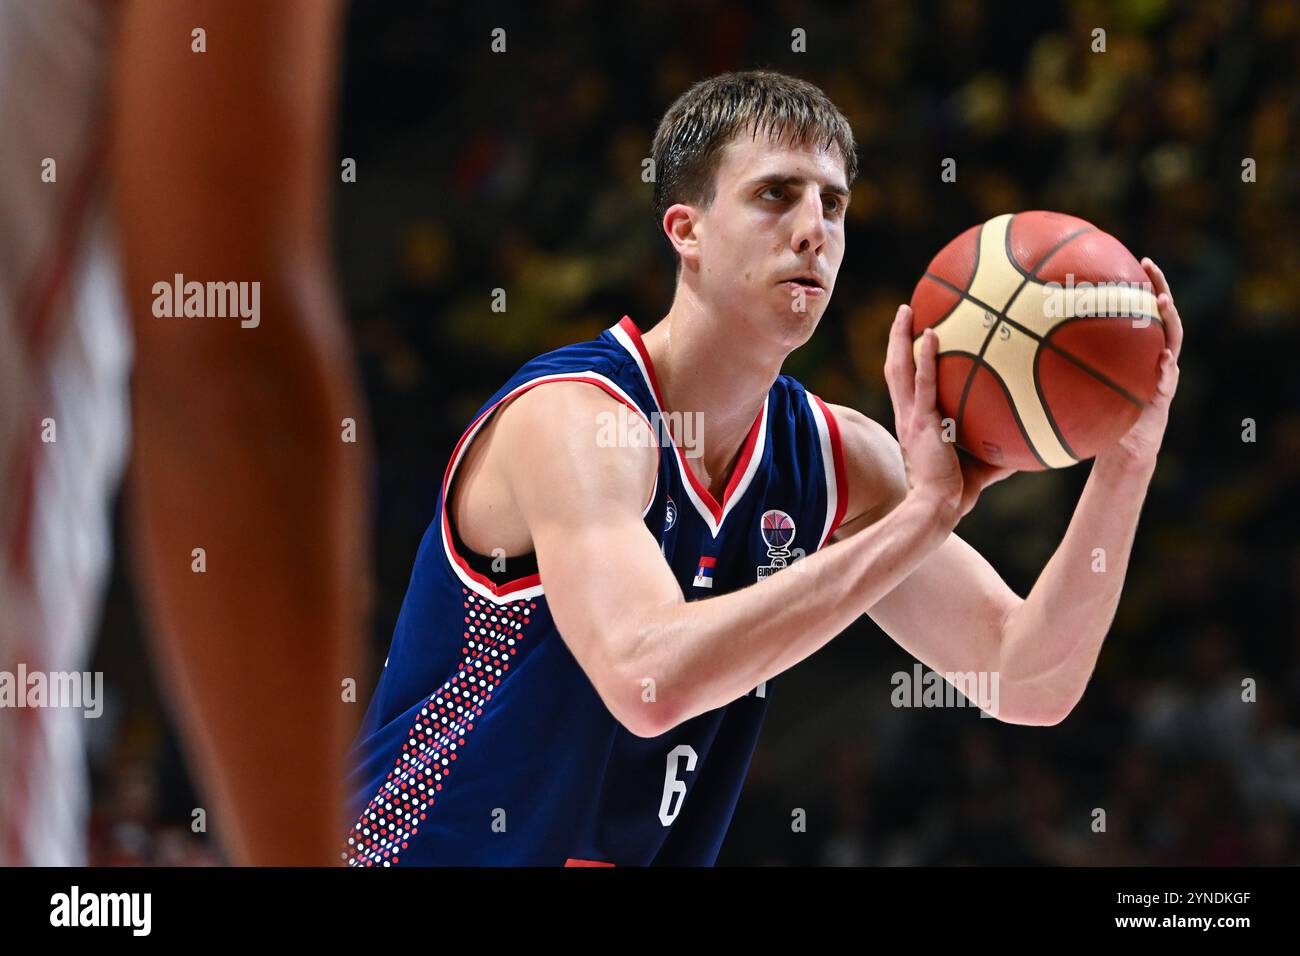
(809, 224)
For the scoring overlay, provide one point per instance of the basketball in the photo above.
(1049, 338)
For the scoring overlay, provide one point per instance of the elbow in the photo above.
(641, 696)
(631, 665)
(635, 702)
(1035, 713)
(643, 723)
(639, 717)
(1052, 718)
(1048, 719)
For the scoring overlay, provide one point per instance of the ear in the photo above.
(681, 225)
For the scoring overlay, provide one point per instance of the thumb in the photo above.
(981, 473)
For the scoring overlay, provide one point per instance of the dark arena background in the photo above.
(522, 171)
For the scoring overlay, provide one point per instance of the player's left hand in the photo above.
(1141, 442)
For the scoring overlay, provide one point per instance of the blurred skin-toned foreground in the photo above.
(220, 171)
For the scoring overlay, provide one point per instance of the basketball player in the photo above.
(218, 160)
(556, 692)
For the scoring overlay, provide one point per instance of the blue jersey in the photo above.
(485, 743)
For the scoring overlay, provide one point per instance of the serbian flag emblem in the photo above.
(704, 575)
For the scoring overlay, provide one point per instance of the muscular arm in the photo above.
(616, 602)
(955, 614)
(220, 170)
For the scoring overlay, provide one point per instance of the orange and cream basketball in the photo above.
(1049, 338)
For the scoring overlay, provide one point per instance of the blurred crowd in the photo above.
(522, 171)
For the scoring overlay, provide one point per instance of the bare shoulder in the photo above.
(873, 463)
(572, 440)
(542, 461)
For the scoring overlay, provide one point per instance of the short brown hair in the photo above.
(687, 148)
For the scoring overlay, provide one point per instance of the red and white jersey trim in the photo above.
(531, 585)
(837, 498)
(751, 452)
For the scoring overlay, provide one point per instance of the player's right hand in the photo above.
(933, 467)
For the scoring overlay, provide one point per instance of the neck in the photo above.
(707, 365)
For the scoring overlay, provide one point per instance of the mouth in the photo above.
(809, 284)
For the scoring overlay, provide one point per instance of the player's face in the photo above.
(777, 215)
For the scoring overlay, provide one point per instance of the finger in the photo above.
(899, 367)
(1165, 302)
(924, 396)
(1156, 274)
(1167, 384)
(1173, 323)
(981, 472)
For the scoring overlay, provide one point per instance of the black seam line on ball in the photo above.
(1046, 342)
(1033, 272)
(1006, 243)
(1001, 315)
(1011, 403)
(960, 292)
(1099, 376)
(965, 295)
(1047, 409)
(1027, 277)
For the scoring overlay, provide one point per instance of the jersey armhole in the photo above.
(529, 585)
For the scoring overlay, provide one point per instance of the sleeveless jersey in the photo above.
(485, 743)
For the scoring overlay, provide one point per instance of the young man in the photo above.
(581, 706)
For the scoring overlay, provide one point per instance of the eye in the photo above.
(778, 188)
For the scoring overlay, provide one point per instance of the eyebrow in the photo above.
(791, 180)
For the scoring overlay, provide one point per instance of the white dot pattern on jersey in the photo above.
(392, 818)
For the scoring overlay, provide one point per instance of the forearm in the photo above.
(1051, 641)
(704, 654)
(250, 467)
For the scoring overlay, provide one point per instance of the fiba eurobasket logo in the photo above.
(777, 529)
